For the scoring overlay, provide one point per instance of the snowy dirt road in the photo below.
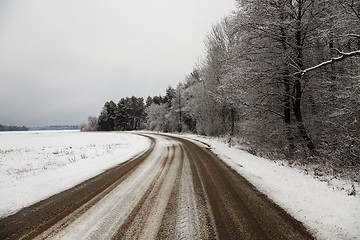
(175, 190)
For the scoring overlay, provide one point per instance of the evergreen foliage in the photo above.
(128, 114)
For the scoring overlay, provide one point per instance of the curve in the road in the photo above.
(176, 190)
(35, 219)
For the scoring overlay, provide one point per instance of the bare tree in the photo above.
(350, 12)
(92, 125)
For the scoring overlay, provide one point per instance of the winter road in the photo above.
(177, 189)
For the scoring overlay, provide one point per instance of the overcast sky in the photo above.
(61, 60)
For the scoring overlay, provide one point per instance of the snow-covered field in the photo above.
(327, 210)
(36, 165)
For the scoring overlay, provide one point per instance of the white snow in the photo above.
(327, 212)
(36, 165)
(103, 219)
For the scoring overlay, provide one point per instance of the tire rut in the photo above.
(176, 190)
(239, 210)
(105, 217)
(37, 218)
(147, 217)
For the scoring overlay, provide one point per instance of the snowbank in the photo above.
(328, 213)
(36, 165)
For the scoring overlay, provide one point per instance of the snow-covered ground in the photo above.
(36, 165)
(329, 212)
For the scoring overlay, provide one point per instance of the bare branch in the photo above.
(352, 6)
(331, 61)
(261, 107)
(348, 35)
(354, 35)
(338, 51)
(295, 65)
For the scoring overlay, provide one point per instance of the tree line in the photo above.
(284, 75)
(128, 114)
(13, 128)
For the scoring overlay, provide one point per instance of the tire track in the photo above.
(35, 219)
(176, 190)
(103, 219)
(137, 221)
(188, 224)
(238, 210)
(148, 217)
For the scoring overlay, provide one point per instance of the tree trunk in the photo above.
(297, 91)
(287, 94)
(298, 114)
(286, 80)
(180, 114)
(287, 99)
(287, 113)
(232, 119)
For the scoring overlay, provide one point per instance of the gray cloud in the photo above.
(60, 60)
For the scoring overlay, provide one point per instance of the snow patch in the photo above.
(326, 210)
(37, 165)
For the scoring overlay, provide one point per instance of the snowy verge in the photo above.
(327, 212)
(37, 165)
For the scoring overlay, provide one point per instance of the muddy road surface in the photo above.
(177, 189)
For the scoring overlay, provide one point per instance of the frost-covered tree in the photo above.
(267, 73)
(90, 126)
(269, 42)
(271, 36)
(157, 116)
(342, 33)
(177, 108)
(213, 109)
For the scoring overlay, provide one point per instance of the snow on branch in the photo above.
(348, 35)
(354, 35)
(342, 56)
(353, 8)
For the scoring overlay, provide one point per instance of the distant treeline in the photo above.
(57, 127)
(23, 128)
(13, 128)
